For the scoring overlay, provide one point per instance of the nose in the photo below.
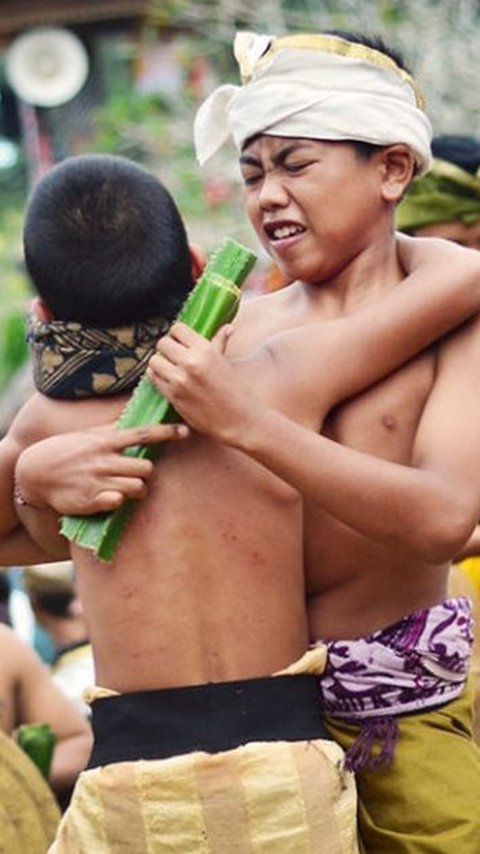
(273, 193)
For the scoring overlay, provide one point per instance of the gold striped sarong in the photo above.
(260, 798)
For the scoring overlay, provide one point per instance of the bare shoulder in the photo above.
(260, 317)
(28, 425)
(254, 307)
(43, 416)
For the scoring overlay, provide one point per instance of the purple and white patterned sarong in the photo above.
(416, 664)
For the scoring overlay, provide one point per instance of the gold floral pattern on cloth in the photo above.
(72, 361)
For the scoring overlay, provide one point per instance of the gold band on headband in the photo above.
(315, 86)
(327, 44)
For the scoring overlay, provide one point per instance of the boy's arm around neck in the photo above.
(337, 358)
(9, 452)
(440, 292)
(445, 269)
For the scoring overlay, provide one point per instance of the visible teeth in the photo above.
(286, 231)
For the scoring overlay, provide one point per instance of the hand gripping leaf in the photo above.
(212, 302)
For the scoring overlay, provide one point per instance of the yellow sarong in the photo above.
(271, 797)
(29, 813)
(465, 581)
(428, 800)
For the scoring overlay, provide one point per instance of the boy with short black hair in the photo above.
(105, 244)
(107, 252)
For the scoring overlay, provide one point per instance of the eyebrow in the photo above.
(277, 159)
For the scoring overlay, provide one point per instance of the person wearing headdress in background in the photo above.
(58, 610)
(29, 695)
(446, 201)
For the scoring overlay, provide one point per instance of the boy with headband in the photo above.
(219, 595)
(391, 488)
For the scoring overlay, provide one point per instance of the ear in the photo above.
(198, 260)
(397, 169)
(40, 310)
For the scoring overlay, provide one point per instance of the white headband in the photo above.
(315, 86)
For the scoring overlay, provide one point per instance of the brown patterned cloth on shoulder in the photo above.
(72, 361)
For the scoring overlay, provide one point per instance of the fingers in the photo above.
(182, 346)
(101, 497)
(108, 500)
(184, 335)
(147, 434)
(93, 471)
(111, 499)
(184, 365)
(222, 337)
(171, 349)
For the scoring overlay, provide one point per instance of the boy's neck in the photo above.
(364, 279)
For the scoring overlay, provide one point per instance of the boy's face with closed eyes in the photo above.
(315, 205)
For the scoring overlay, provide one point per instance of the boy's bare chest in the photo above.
(383, 420)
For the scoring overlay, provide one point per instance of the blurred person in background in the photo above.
(446, 202)
(58, 610)
(29, 695)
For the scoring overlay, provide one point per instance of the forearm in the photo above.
(445, 269)
(19, 549)
(42, 525)
(69, 759)
(388, 502)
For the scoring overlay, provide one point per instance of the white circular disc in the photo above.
(46, 66)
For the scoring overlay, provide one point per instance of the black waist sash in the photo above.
(213, 717)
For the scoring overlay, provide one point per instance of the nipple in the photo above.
(389, 421)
